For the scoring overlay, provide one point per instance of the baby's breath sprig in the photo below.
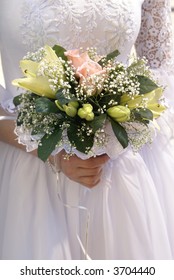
(92, 52)
(36, 56)
(31, 119)
(119, 81)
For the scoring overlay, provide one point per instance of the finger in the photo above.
(84, 175)
(87, 172)
(89, 182)
(92, 162)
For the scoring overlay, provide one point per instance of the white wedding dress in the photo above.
(130, 214)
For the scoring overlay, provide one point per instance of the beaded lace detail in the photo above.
(104, 24)
(155, 40)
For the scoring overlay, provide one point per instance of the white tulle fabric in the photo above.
(130, 213)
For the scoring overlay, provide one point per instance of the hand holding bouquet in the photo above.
(78, 101)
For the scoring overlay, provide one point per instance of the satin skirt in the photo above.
(128, 215)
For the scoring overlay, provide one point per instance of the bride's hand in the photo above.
(86, 172)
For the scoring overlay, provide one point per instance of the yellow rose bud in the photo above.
(74, 104)
(119, 113)
(86, 112)
(87, 107)
(82, 113)
(90, 116)
(70, 110)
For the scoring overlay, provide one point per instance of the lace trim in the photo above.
(155, 40)
(112, 147)
(103, 24)
(24, 137)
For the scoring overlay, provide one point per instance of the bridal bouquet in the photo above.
(78, 101)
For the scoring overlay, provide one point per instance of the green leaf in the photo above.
(110, 56)
(146, 84)
(19, 121)
(38, 130)
(48, 144)
(98, 122)
(143, 114)
(136, 65)
(17, 100)
(94, 102)
(45, 105)
(120, 133)
(61, 97)
(79, 138)
(107, 98)
(60, 52)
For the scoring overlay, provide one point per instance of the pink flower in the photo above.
(77, 58)
(89, 69)
(86, 69)
(83, 64)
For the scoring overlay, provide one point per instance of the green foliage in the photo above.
(17, 100)
(45, 105)
(62, 99)
(98, 122)
(60, 52)
(48, 143)
(79, 138)
(146, 84)
(107, 98)
(141, 114)
(120, 133)
(19, 119)
(110, 56)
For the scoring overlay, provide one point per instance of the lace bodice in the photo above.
(74, 24)
(105, 24)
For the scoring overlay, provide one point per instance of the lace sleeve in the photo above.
(155, 39)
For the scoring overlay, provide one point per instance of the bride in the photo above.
(98, 208)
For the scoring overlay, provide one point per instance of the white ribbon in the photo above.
(83, 247)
